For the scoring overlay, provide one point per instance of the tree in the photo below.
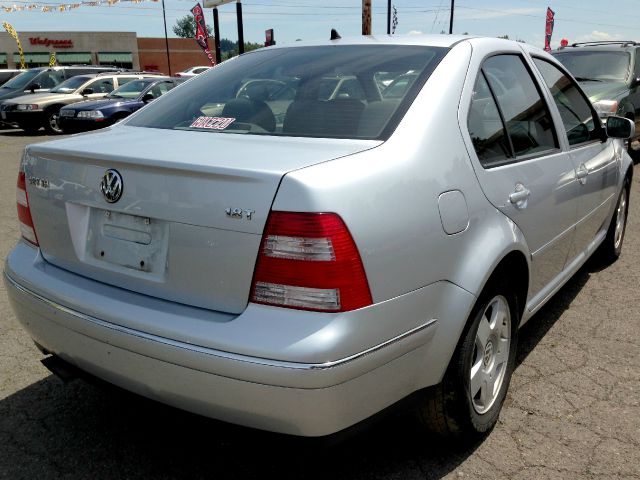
(226, 45)
(505, 37)
(230, 49)
(185, 27)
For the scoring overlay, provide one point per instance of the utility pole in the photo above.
(216, 33)
(166, 39)
(388, 17)
(366, 17)
(240, 30)
(451, 17)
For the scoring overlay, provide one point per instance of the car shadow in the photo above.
(22, 133)
(89, 430)
(537, 327)
(79, 431)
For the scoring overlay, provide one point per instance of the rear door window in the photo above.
(102, 85)
(508, 118)
(525, 113)
(160, 89)
(486, 127)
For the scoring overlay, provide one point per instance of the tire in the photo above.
(468, 401)
(611, 248)
(51, 124)
(120, 116)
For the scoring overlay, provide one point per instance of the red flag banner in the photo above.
(201, 31)
(548, 30)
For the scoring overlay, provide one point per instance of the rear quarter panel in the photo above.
(388, 197)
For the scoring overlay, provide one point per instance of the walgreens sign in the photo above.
(47, 42)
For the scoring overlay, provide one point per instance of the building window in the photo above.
(73, 58)
(116, 59)
(3, 60)
(32, 59)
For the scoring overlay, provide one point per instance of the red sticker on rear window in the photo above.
(212, 123)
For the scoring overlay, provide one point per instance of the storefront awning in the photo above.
(3, 58)
(74, 57)
(37, 57)
(122, 57)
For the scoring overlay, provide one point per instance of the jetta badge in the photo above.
(111, 185)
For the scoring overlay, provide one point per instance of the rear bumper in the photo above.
(287, 396)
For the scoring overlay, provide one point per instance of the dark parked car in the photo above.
(119, 104)
(30, 112)
(43, 79)
(609, 73)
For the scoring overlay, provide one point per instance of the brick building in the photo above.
(123, 49)
(183, 52)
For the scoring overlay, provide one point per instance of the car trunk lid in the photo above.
(188, 224)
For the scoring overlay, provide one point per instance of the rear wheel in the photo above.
(51, 125)
(470, 397)
(611, 247)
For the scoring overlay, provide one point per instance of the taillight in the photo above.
(309, 261)
(27, 229)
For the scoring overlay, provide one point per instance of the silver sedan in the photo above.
(301, 271)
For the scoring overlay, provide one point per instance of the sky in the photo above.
(576, 20)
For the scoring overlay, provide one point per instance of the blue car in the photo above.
(119, 104)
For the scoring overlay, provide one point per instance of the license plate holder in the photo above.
(123, 241)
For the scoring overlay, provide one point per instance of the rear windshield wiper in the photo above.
(587, 79)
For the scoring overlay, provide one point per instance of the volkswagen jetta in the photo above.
(299, 275)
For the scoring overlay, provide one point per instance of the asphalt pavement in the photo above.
(573, 409)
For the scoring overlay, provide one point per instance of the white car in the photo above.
(193, 71)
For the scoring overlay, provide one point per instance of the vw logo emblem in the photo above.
(111, 185)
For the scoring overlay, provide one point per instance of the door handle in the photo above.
(581, 174)
(519, 196)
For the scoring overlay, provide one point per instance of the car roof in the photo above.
(438, 40)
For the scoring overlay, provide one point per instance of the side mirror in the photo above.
(148, 97)
(34, 86)
(87, 91)
(619, 127)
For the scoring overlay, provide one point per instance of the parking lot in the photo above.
(573, 409)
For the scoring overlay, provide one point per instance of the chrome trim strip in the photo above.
(220, 353)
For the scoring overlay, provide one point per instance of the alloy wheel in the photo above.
(621, 219)
(490, 354)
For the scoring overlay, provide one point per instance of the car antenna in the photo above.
(334, 34)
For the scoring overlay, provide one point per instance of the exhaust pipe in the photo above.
(61, 369)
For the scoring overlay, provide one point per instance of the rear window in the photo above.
(331, 91)
(588, 65)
